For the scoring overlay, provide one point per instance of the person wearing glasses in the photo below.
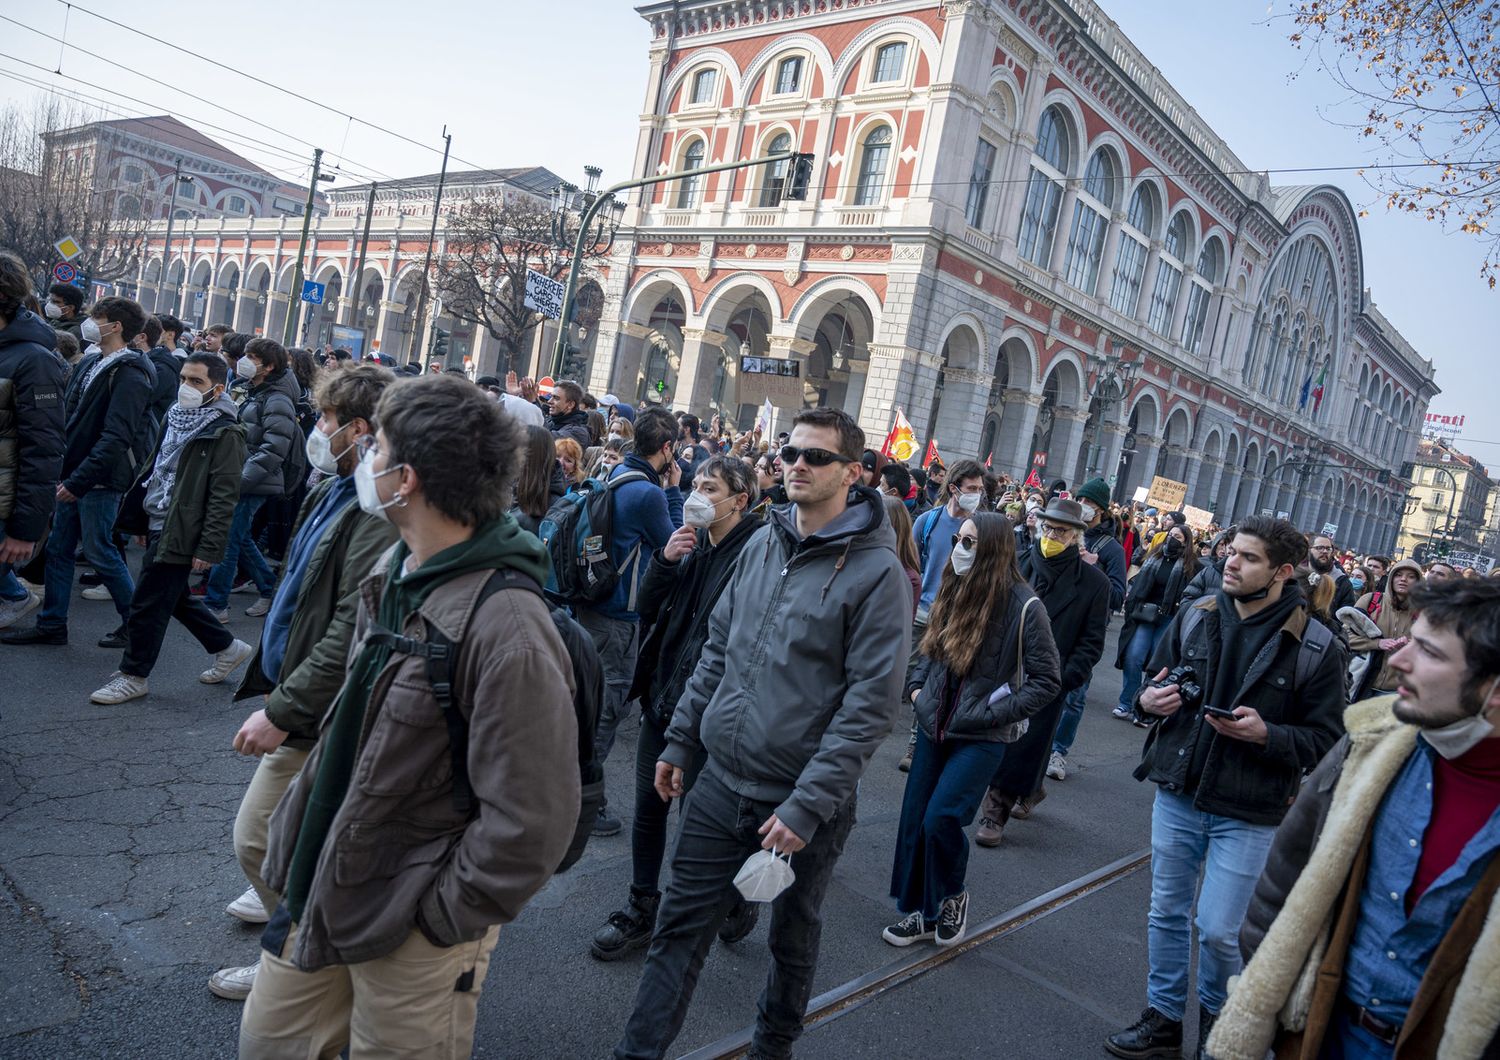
(988, 663)
(1324, 560)
(817, 613)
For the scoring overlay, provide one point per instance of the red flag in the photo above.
(1034, 480)
(987, 461)
(932, 455)
(901, 443)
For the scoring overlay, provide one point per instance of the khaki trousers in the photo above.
(252, 825)
(417, 1002)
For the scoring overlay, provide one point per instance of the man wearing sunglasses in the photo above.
(817, 612)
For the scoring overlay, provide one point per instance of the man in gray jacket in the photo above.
(818, 612)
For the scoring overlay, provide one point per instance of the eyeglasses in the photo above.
(790, 454)
(1056, 533)
(968, 541)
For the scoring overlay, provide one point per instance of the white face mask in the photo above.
(963, 559)
(699, 511)
(1033, 506)
(189, 397)
(1461, 737)
(53, 311)
(1089, 511)
(89, 331)
(969, 502)
(366, 491)
(245, 368)
(320, 452)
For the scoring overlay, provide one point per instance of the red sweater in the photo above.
(1465, 793)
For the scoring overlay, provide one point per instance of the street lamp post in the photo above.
(1113, 378)
(178, 178)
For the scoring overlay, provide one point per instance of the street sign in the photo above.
(544, 386)
(62, 272)
(313, 292)
(1039, 458)
(544, 294)
(67, 248)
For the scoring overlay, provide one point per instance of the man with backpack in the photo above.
(628, 518)
(1228, 747)
(109, 435)
(444, 789)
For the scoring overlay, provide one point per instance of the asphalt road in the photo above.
(116, 861)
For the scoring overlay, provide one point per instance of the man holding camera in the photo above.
(1248, 697)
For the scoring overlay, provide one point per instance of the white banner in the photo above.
(544, 295)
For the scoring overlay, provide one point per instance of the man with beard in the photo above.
(1076, 595)
(1322, 557)
(1375, 919)
(1391, 611)
(1227, 758)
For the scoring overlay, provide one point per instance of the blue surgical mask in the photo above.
(1358, 583)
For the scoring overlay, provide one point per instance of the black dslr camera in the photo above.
(1188, 688)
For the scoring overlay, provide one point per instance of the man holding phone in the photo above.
(1227, 757)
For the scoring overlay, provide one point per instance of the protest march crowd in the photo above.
(466, 587)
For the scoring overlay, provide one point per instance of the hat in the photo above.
(624, 411)
(1095, 491)
(609, 401)
(1062, 510)
(869, 461)
(487, 380)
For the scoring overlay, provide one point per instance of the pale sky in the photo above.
(561, 84)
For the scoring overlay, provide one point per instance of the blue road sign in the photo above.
(313, 292)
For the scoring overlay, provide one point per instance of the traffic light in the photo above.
(574, 365)
(798, 177)
(439, 350)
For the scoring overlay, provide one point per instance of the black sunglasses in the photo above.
(790, 454)
(966, 540)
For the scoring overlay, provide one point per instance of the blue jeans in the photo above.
(10, 588)
(240, 549)
(1137, 654)
(1345, 1040)
(943, 791)
(1230, 854)
(1072, 714)
(718, 832)
(90, 520)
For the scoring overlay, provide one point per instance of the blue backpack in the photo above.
(577, 531)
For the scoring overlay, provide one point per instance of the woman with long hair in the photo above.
(597, 428)
(906, 546)
(1150, 602)
(988, 663)
(534, 483)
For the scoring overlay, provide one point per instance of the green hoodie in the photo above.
(495, 545)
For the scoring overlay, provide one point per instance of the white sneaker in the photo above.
(120, 688)
(222, 616)
(226, 662)
(1057, 767)
(13, 610)
(97, 592)
(248, 907)
(233, 984)
(260, 607)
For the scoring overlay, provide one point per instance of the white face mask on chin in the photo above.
(1460, 737)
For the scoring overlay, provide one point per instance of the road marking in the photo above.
(856, 993)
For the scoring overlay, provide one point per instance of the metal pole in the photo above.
(166, 254)
(295, 294)
(431, 239)
(559, 351)
(359, 269)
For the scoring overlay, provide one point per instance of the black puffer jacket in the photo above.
(675, 602)
(31, 426)
(109, 428)
(270, 418)
(574, 425)
(973, 717)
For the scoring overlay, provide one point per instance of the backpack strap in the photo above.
(1316, 639)
(931, 515)
(1191, 619)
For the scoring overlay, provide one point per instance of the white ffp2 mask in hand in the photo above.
(764, 875)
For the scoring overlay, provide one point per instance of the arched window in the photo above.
(788, 75)
(873, 159)
(1199, 296)
(1044, 189)
(770, 192)
(979, 183)
(1169, 274)
(703, 86)
(1130, 258)
(690, 187)
(890, 62)
(1090, 222)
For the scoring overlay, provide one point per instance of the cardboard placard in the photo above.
(1166, 494)
(1199, 519)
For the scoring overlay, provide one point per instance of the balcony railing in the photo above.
(858, 215)
(678, 218)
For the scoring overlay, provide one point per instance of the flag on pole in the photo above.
(1306, 390)
(901, 443)
(1033, 480)
(1317, 393)
(932, 456)
(764, 417)
(987, 460)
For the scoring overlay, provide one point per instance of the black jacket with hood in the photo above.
(109, 425)
(31, 426)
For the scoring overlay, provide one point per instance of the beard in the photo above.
(1321, 566)
(1435, 715)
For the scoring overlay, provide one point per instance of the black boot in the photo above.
(1151, 1035)
(1205, 1024)
(628, 929)
(740, 921)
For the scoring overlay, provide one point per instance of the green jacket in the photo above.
(203, 497)
(317, 648)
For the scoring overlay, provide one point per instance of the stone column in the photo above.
(1067, 441)
(701, 350)
(1192, 470)
(1208, 497)
(1144, 467)
(960, 418)
(1017, 423)
(1229, 486)
(892, 366)
(1254, 482)
(1107, 466)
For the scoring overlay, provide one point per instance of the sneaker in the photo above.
(115, 638)
(91, 578)
(909, 929)
(13, 610)
(628, 929)
(1057, 767)
(120, 688)
(34, 635)
(233, 984)
(98, 592)
(905, 764)
(246, 586)
(1151, 1035)
(1205, 1027)
(260, 607)
(605, 825)
(953, 920)
(992, 818)
(1122, 713)
(248, 907)
(226, 662)
(221, 615)
(740, 921)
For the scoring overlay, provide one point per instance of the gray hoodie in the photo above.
(800, 679)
